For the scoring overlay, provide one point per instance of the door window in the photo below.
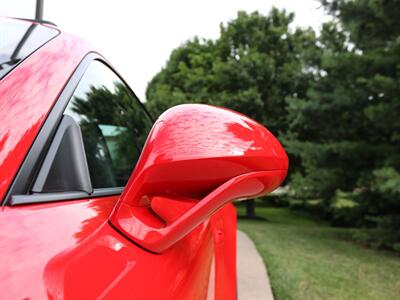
(113, 123)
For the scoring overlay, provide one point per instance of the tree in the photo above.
(255, 64)
(345, 131)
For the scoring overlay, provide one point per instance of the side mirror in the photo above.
(196, 159)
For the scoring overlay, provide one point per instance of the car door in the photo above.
(56, 238)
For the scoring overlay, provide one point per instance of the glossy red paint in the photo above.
(33, 235)
(68, 251)
(200, 152)
(224, 234)
(27, 94)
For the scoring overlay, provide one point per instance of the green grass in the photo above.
(307, 259)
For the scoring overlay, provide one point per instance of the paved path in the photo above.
(253, 282)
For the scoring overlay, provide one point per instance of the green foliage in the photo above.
(381, 201)
(346, 130)
(252, 67)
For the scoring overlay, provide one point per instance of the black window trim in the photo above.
(19, 191)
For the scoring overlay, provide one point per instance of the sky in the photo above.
(137, 37)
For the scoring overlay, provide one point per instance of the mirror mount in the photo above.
(159, 239)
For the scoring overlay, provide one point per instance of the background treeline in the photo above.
(332, 98)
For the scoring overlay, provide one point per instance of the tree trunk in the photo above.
(250, 209)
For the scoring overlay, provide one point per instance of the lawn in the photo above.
(308, 259)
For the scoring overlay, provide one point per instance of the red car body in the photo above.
(72, 249)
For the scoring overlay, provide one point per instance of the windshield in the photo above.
(18, 39)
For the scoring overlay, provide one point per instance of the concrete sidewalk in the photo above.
(253, 282)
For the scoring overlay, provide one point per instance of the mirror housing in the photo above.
(196, 159)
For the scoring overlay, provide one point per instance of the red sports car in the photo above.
(99, 201)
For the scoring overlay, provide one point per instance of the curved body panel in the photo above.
(27, 94)
(69, 251)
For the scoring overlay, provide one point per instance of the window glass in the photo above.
(114, 125)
